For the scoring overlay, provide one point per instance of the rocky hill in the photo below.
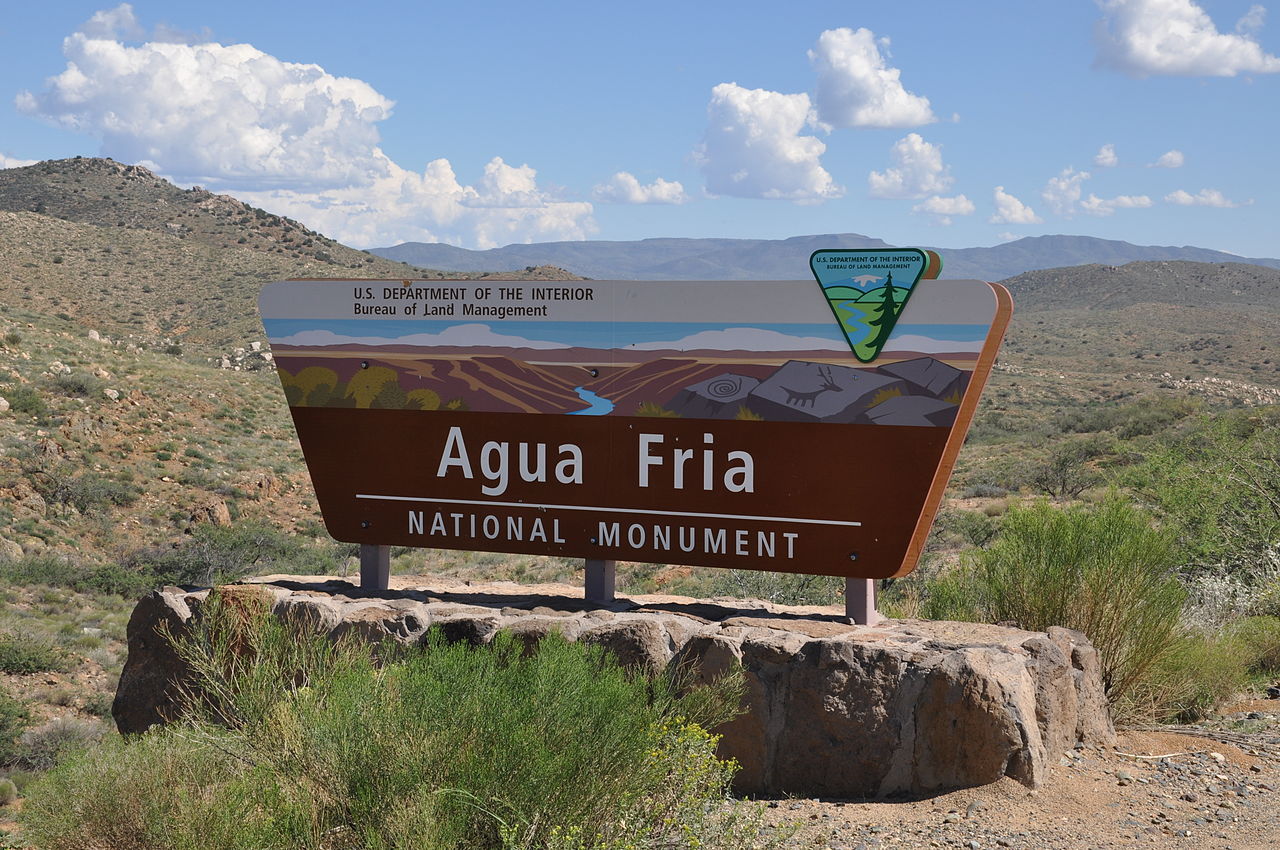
(115, 248)
(788, 259)
(1214, 286)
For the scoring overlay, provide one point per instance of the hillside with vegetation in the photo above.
(145, 440)
(114, 248)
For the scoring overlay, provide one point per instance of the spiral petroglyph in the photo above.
(728, 386)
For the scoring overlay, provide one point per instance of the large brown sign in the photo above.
(706, 423)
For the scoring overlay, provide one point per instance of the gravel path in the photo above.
(1210, 786)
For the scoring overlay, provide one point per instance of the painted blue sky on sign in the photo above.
(638, 336)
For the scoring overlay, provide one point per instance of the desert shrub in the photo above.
(90, 491)
(1105, 571)
(26, 399)
(8, 791)
(1256, 641)
(1185, 682)
(780, 588)
(78, 384)
(13, 722)
(983, 491)
(25, 653)
(1218, 480)
(1067, 472)
(214, 554)
(1147, 415)
(975, 528)
(108, 578)
(41, 748)
(447, 746)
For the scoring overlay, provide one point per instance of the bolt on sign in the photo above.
(772, 425)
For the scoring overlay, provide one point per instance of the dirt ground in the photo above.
(1212, 786)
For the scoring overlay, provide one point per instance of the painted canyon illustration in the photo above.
(692, 370)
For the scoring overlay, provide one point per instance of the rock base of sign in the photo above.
(901, 709)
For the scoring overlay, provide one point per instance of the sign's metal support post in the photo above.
(375, 566)
(860, 601)
(601, 576)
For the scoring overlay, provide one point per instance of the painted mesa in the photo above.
(709, 423)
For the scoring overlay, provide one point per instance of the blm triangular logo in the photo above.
(868, 288)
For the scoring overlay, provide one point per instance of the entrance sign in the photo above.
(713, 423)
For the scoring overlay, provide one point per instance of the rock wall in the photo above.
(903, 708)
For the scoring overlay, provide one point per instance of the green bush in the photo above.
(24, 653)
(13, 722)
(216, 554)
(1067, 472)
(780, 588)
(108, 578)
(1105, 571)
(443, 747)
(41, 748)
(1256, 641)
(8, 791)
(26, 399)
(1218, 480)
(78, 384)
(1186, 682)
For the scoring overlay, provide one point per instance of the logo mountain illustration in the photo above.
(867, 290)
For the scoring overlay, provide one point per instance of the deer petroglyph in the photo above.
(798, 398)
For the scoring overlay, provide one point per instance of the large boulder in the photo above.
(903, 708)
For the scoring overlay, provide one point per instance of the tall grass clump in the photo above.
(324, 744)
(1106, 571)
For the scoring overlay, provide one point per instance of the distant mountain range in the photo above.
(787, 259)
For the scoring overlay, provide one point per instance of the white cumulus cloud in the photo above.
(505, 206)
(1062, 193)
(1177, 37)
(856, 88)
(1106, 157)
(1203, 198)
(455, 336)
(1010, 210)
(14, 162)
(744, 339)
(286, 136)
(1093, 205)
(624, 188)
(753, 147)
(917, 171)
(210, 112)
(1169, 159)
(942, 209)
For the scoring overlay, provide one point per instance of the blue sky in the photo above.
(482, 124)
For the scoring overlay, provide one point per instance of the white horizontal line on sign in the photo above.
(605, 510)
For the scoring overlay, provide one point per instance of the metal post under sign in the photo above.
(860, 601)
(375, 566)
(600, 579)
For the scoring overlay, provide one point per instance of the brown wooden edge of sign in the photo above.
(964, 417)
